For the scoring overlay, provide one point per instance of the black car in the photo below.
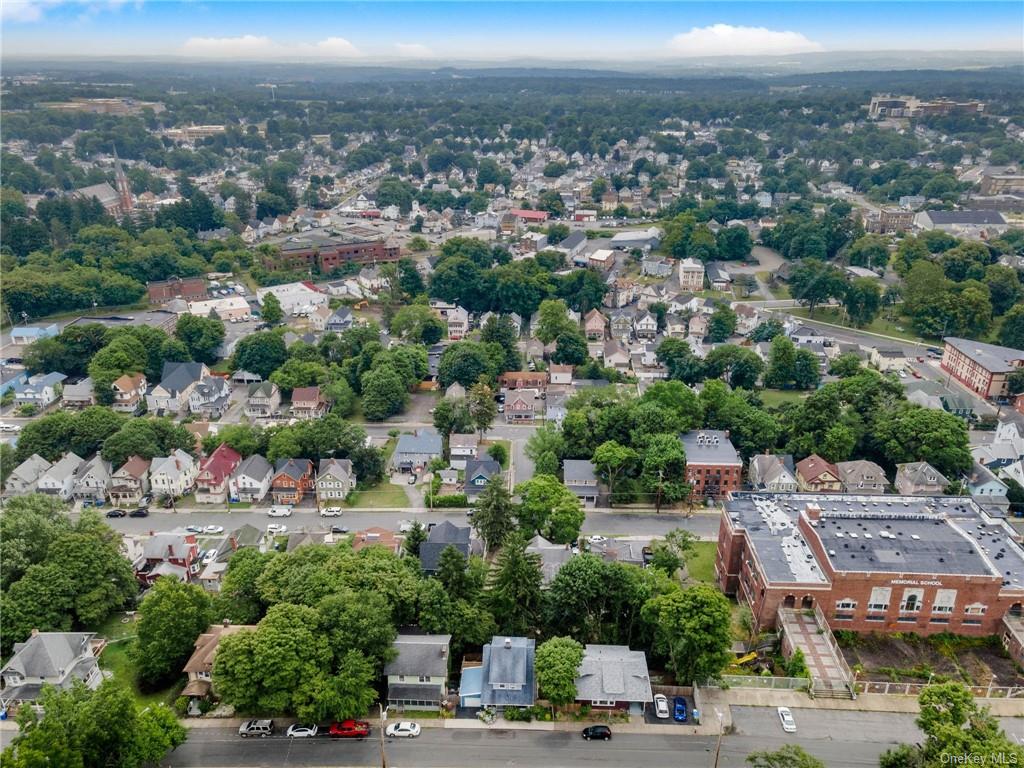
(597, 732)
(116, 513)
(339, 529)
(140, 512)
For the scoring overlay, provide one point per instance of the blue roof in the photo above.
(509, 660)
(424, 441)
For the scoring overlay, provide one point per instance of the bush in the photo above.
(499, 453)
(181, 706)
(519, 714)
(454, 500)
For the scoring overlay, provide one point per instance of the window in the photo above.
(869, 617)
(972, 622)
(944, 601)
(940, 621)
(879, 599)
(424, 678)
(976, 609)
(843, 617)
(603, 703)
(847, 603)
(911, 600)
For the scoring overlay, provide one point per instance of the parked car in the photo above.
(274, 528)
(786, 718)
(597, 539)
(330, 512)
(403, 730)
(661, 706)
(412, 479)
(404, 526)
(349, 729)
(116, 513)
(597, 732)
(9, 428)
(140, 512)
(339, 529)
(194, 528)
(261, 728)
(211, 529)
(679, 709)
(279, 511)
(210, 556)
(145, 501)
(297, 731)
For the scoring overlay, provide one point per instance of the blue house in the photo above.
(508, 678)
(11, 378)
(26, 334)
(478, 473)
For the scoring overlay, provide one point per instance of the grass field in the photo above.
(116, 660)
(900, 328)
(508, 450)
(380, 496)
(772, 398)
(700, 561)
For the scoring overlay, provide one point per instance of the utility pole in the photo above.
(718, 745)
(383, 719)
(661, 482)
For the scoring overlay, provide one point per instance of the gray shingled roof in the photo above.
(991, 356)
(509, 665)
(613, 673)
(420, 655)
(578, 472)
(178, 376)
(48, 653)
(426, 441)
(442, 536)
(980, 217)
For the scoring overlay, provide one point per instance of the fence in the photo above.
(914, 689)
(770, 683)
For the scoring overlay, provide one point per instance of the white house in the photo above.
(172, 475)
(59, 479)
(250, 482)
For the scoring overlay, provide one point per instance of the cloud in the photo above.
(260, 46)
(34, 10)
(727, 40)
(414, 50)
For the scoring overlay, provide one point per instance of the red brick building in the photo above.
(187, 288)
(292, 480)
(523, 380)
(982, 368)
(872, 564)
(329, 254)
(713, 467)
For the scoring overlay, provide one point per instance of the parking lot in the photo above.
(651, 717)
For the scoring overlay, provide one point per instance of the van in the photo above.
(279, 511)
(261, 728)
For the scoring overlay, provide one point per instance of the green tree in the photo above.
(663, 470)
(493, 514)
(814, 282)
(847, 364)
(346, 693)
(28, 527)
(417, 324)
(416, 536)
(869, 251)
(384, 393)
(271, 311)
(611, 460)
(693, 630)
(570, 349)
(734, 243)
(912, 433)
(786, 756)
(553, 320)
(514, 591)
(549, 508)
(482, 406)
(239, 599)
(260, 353)
(670, 555)
(557, 664)
(739, 366)
(201, 335)
(466, 362)
(1011, 334)
(680, 362)
(451, 572)
(451, 415)
(781, 363)
(722, 324)
(359, 621)
(863, 300)
(171, 617)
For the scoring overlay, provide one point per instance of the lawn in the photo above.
(773, 398)
(383, 495)
(900, 328)
(508, 450)
(700, 561)
(116, 660)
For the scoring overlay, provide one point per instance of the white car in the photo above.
(597, 539)
(10, 428)
(661, 706)
(297, 731)
(404, 526)
(786, 718)
(210, 556)
(277, 528)
(213, 529)
(330, 512)
(279, 512)
(403, 730)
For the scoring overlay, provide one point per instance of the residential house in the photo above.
(621, 292)
(441, 537)
(559, 375)
(614, 677)
(621, 325)
(982, 483)
(11, 378)
(199, 668)
(552, 557)
(263, 400)
(718, 276)
(675, 326)
(511, 380)
(747, 318)
(177, 382)
(341, 320)
(24, 478)
(23, 335)
(56, 659)
(308, 403)
(772, 473)
(41, 390)
(215, 473)
(462, 448)
(887, 359)
(806, 336)
(129, 392)
(508, 673)
(815, 475)
(650, 294)
(555, 409)
(130, 482)
(292, 480)
(335, 480)
(210, 398)
(594, 325)
(521, 405)
(478, 474)
(697, 327)
(376, 537)
(59, 479)
(713, 466)
(645, 325)
(616, 356)
(78, 396)
(250, 482)
(169, 553)
(655, 266)
(413, 452)
(172, 476)
(691, 275)
(919, 478)
(458, 323)
(580, 478)
(621, 551)
(92, 480)
(573, 245)
(862, 477)
(418, 673)
(319, 318)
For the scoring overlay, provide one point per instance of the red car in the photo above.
(349, 729)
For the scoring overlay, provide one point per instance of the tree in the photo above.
(557, 662)
(693, 630)
(493, 518)
(514, 593)
(863, 300)
(570, 349)
(548, 445)
(549, 508)
(1011, 334)
(348, 692)
(499, 329)
(417, 324)
(734, 243)
(781, 363)
(847, 364)
(806, 371)
(451, 415)
(239, 599)
(466, 362)
(451, 572)
(260, 353)
(868, 251)
(171, 617)
(553, 320)
(28, 527)
(482, 406)
(612, 459)
(359, 621)
(680, 362)
(663, 470)
(767, 331)
(814, 282)
(912, 433)
(786, 756)
(739, 366)
(416, 536)
(384, 393)
(271, 310)
(201, 335)
(722, 324)
(670, 555)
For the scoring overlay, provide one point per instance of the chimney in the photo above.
(444, 651)
(508, 642)
(813, 511)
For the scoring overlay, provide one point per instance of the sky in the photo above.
(486, 30)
